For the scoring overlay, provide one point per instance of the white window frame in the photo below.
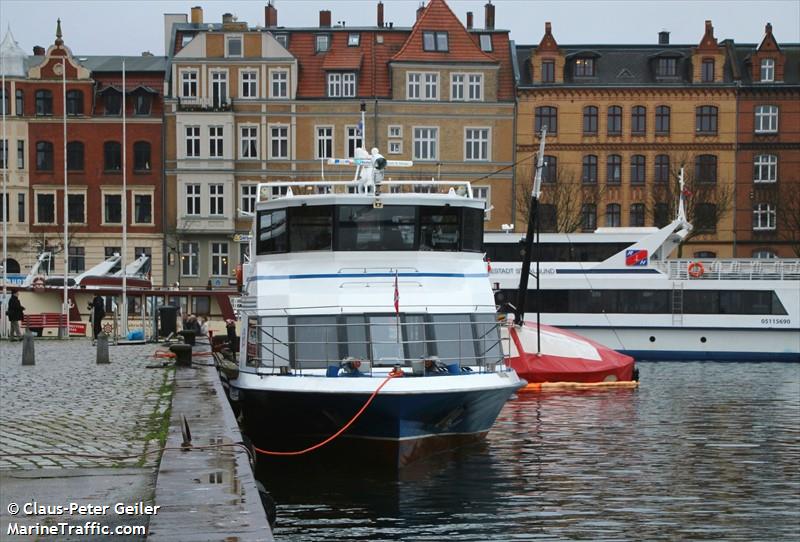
(281, 79)
(765, 163)
(248, 142)
(133, 208)
(248, 90)
(395, 147)
(352, 134)
(221, 81)
(353, 39)
(272, 138)
(764, 217)
(487, 190)
(321, 39)
(474, 87)
(191, 78)
(192, 141)
(472, 141)
(216, 199)
(103, 195)
(327, 136)
(431, 85)
(216, 141)
(413, 85)
(192, 192)
(395, 130)
(191, 255)
(766, 114)
(767, 74)
(334, 85)
(349, 85)
(428, 142)
(247, 197)
(228, 39)
(283, 39)
(457, 86)
(486, 48)
(217, 257)
(764, 254)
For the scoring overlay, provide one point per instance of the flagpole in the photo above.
(124, 316)
(4, 304)
(65, 308)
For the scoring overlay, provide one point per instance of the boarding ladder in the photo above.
(677, 303)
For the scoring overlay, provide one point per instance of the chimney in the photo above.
(469, 20)
(38, 50)
(663, 38)
(227, 18)
(420, 10)
(489, 23)
(270, 16)
(325, 18)
(197, 15)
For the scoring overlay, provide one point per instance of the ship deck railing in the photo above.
(411, 185)
(734, 269)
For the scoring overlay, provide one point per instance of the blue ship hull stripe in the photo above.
(626, 271)
(366, 275)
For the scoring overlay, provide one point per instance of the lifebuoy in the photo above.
(696, 270)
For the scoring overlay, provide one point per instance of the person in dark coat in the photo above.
(15, 313)
(97, 306)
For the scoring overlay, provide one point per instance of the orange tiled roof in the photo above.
(338, 59)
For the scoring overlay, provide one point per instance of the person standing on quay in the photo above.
(97, 306)
(15, 313)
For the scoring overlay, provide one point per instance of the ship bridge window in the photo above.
(362, 227)
(271, 232)
(310, 228)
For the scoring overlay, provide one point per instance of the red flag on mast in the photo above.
(396, 295)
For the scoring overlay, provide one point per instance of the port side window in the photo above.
(271, 232)
(453, 338)
(439, 228)
(310, 228)
(315, 342)
(487, 339)
(387, 349)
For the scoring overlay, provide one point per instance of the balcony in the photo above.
(197, 103)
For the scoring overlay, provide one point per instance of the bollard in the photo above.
(102, 349)
(183, 354)
(28, 354)
(188, 336)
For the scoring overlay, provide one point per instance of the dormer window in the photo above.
(234, 46)
(185, 39)
(584, 67)
(708, 70)
(323, 42)
(341, 85)
(283, 39)
(767, 70)
(435, 41)
(667, 67)
(353, 40)
(548, 71)
(486, 43)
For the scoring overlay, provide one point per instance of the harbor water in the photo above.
(701, 451)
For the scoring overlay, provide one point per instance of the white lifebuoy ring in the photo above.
(696, 270)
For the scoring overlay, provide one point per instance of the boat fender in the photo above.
(696, 270)
(396, 371)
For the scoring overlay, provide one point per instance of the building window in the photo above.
(142, 208)
(413, 86)
(548, 217)
(661, 173)
(354, 140)
(764, 216)
(141, 156)
(638, 169)
(111, 251)
(5, 98)
(546, 117)
(112, 156)
(279, 142)
(584, 67)
(193, 199)
(589, 170)
(234, 46)
(219, 259)
(614, 120)
(706, 119)
(353, 39)
(457, 86)
(590, 120)
(44, 102)
(249, 84)
(112, 207)
(434, 41)
(638, 120)
(247, 202)
(484, 193)
(113, 102)
(765, 168)
(766, 119)
(550, 170)
(613, 214)
(249, 141)
(142, 102)
(486, 43)
(431, 86)
(324, 138)
(705, 217)
(637, 215)
(20, 154)
(74, 102)
(767, 70)
(77, 259)
(219, 89)
(660, 215)
(44, 156)
(280, 83)
(45, 208)
(215, 141)
(75, 156)
(20, 103)
(474, 87)
(76, 208)
(322, 43)
(705, 168)
(189, 84)
(395, 131)
(21, 208)
(334, 85)
(548, 71)
(190, 259)
(662, 120)
(667, 67)
(474, 84)
(425, 143)
(395, 147)
(216, 199)
(764, 254)
(708, 70)
(477, 144)
(614, 169)
(588, 217)
(192, 141)
(283, 39)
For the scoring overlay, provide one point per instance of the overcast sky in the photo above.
(93, 27)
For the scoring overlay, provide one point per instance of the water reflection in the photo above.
(700, 451)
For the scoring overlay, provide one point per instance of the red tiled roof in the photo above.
(349, 59)
(501, 52)
(439, 17)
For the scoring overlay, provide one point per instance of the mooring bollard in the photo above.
(102, 349)
(28, 353)
(183, 354)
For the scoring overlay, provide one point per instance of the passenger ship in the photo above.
(352, 282)
(619, 288)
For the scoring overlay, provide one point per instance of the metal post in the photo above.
(4, 304)
(102, 349)
(124, 208)
(28, 353)
(65, 306)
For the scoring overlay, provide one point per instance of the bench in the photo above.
(38, 322)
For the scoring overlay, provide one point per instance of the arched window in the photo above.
(113, 102)
(613, 214)
(589, 120)
(638, 169)
(44, 102)
(112, 153)
(662, 168)
(74, 102)
(638, 120)
(44, 156)
(589, 173)
(614, 169)
(588, 217)
(706, 119)
(141, 156)
(547, 116)
(705, 168)
(550, 169)
(662, 119)
(75, 156)
(614, 120)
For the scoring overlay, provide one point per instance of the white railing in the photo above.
(738, 269)
(203, 102)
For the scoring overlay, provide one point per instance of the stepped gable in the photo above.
(438, 16)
